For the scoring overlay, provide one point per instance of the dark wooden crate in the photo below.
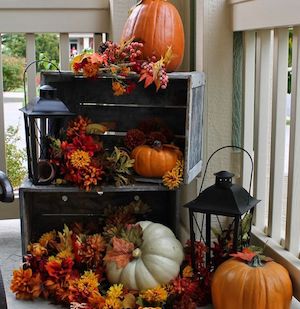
(44, 208)
(180, 106)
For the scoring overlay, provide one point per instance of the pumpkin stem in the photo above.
(157, 145)
(256, 262)
(136, 253)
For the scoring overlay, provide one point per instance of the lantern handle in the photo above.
(25, 71)
(229, 146)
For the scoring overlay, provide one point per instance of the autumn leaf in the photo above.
(120, 253)
(246, 255)
(147, 77)
(168, 55)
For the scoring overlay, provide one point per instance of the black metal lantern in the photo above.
(43, 117)
(221, 199)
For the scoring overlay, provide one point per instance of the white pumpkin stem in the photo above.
(136, 253)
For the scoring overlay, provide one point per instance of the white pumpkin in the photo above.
(156, 262)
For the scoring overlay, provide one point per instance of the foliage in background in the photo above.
(46, 44)
(15, 157)
(13, 68)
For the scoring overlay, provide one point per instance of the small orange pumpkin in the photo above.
(240, 285)
(155, 161)
(158, 25)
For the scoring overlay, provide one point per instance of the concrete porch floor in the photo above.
(10, 259)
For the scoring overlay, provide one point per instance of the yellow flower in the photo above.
(172, 179)
(112, 303)
(80, 159)
(118, 88)
(88, 281)
(46, 237)
(65, 254)
(158, 294)
(115, 291)
(179, 166)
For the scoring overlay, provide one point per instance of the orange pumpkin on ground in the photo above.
(158, 25)
(155, 161)
(252, 285)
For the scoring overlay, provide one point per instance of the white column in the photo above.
(119, 12)
(2, 127)
(31, 72)
(64, 51)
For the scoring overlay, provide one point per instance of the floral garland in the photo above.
(123, 62)
(68, 267)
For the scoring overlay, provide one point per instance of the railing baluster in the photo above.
(280, 71)
(263, 97)
(64, 51)
(31, 72)
(293, 200)
(98, 39)
(249, 89)
(2, 127)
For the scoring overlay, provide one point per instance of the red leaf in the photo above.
(245, 255)
(121, 252)
(147, 77)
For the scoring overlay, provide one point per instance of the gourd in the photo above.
(237, 285)
(154, 161)
(158, 25)
(156, 262)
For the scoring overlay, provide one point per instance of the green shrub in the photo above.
(14, 44)
(13, 68)
(15, 157)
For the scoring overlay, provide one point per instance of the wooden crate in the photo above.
(180, 106)
(43, 208)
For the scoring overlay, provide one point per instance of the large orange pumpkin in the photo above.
(158, 25)
(237, 285)
(154, 161)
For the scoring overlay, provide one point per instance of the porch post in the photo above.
(119, 11)
(2, 127)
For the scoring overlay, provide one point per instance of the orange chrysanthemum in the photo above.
(118, 89)
(187, 272)
(80, 159)
(25, 284)
(90, 69)
(90, 249)
(96, 300)
(77, 127)
(58, 268)
(84, 287)
(37, 250)
(156, 295)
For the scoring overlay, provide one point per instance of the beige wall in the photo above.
(214, 57)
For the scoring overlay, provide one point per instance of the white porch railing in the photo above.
(61, 17)
(266, 133)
